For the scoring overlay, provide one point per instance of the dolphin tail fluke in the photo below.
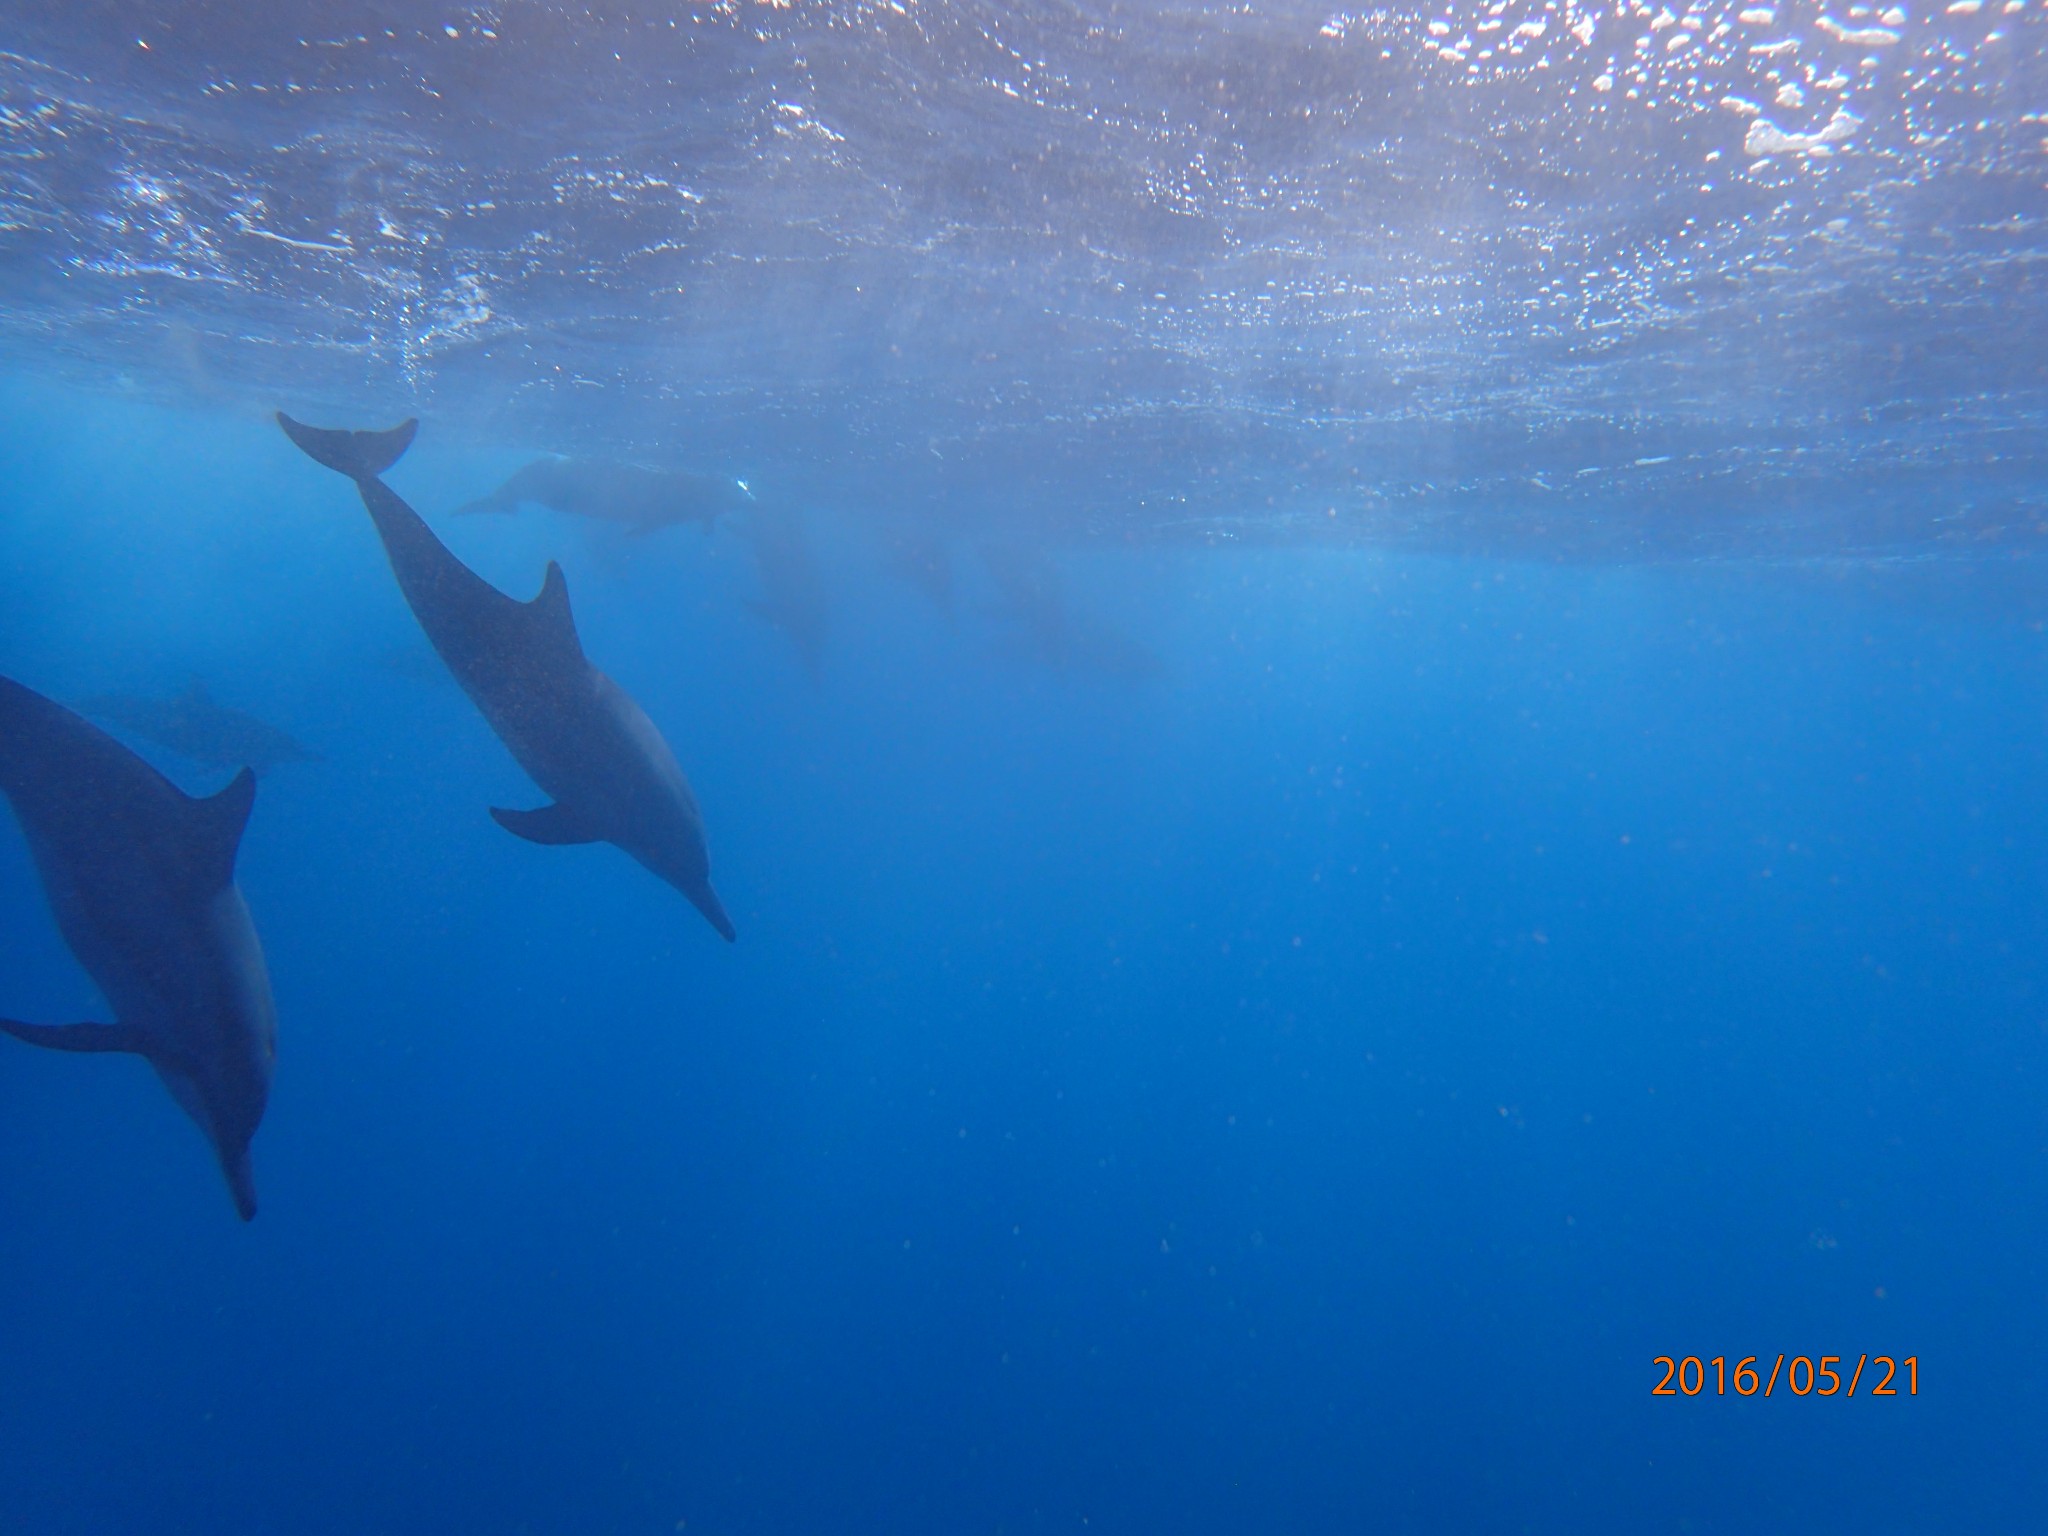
(77, 1037)
(359, 455)
(705, 900)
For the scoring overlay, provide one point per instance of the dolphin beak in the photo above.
(705, 900)
(241, 1182)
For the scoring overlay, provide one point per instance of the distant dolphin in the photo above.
(642, 499)
(1033, 605)
(197, 726)
(792, 587)
(574, 730)
(141, 879)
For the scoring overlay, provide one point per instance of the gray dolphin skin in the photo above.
(643, 499)
(141, 879)
(578, 734)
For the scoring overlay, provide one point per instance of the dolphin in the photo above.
(643, 499)
(197, 726)
(1033, 606)
(141, 879)
(576, 732)
(793, 597)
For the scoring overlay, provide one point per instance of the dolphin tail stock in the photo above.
(78, 1037)
(359, 455)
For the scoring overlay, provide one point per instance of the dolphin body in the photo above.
(793, 595)
(643, 499)
(1034, 606)
(141, 879)
(197, 726)
(575, 731)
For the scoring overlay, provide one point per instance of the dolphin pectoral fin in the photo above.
(359, 455)
(552, 826)
(78, 1037)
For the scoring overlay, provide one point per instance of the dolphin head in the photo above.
(235, 1101)
(241, 1177)
(660, 825)
(225, 1087)
(227, 1106)
(706, 901)
(679, 859)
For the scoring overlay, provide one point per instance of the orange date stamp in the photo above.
(1802, 1376)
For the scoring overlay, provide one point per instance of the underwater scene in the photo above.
(1072, 766)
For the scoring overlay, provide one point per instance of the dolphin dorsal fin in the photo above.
(219, 821)
(551, 606)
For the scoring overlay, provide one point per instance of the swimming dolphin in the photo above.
(141, 879)
(1033, 606)
(642, 499)
(792, 587)
(197, 726)
(574, 730)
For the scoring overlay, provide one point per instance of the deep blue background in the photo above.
(1297, 1091)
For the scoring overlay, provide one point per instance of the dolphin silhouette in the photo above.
(792, 587)
(197, 726)
(642, 499)
(577, 733)
(141, 879)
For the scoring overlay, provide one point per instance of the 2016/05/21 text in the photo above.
(1692, 1376)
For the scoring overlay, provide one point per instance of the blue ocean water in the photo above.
(1375, 731)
